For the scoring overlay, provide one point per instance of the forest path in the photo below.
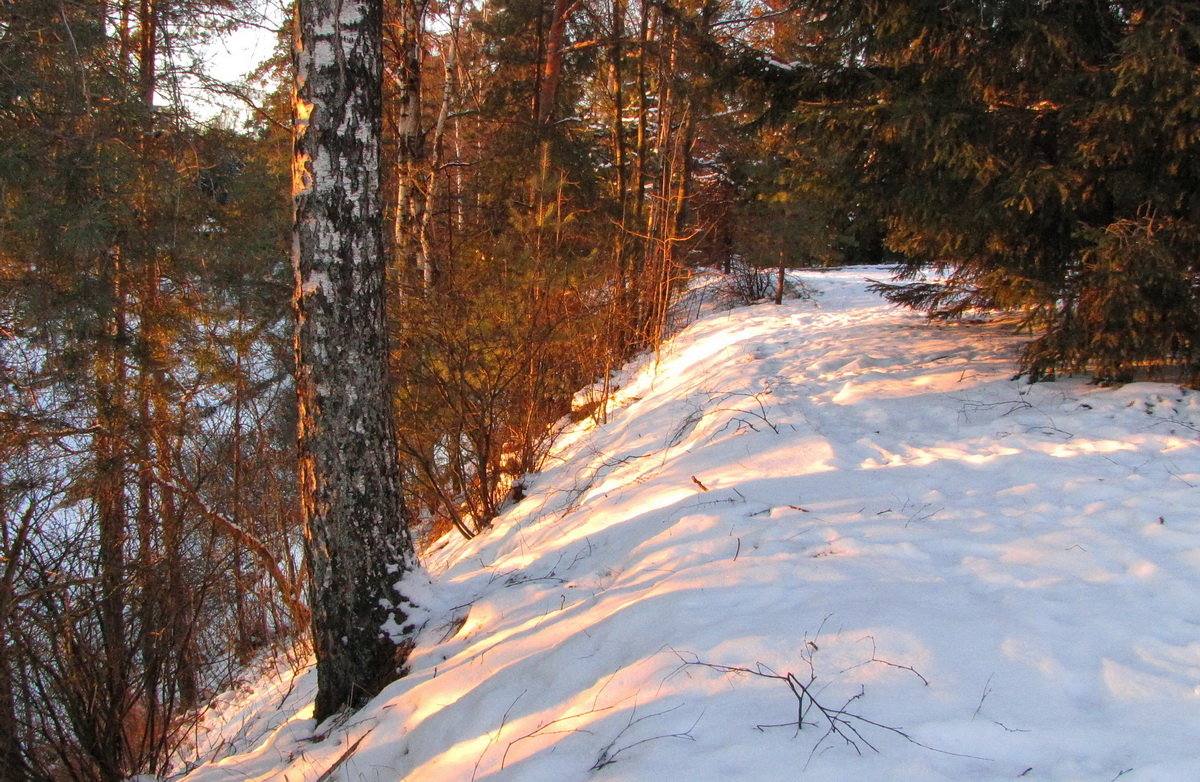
(833, 488)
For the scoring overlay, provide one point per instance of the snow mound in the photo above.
(826, 539)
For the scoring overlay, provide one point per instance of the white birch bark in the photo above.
(358, 544)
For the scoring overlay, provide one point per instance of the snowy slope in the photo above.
(1007, 575)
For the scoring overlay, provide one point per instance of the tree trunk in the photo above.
(105, 741)
(357, 542)
(411, 197)
(13, 538)
(436, 152)
(621, 184)
(12, 754)
(147, 49)
(552, 68)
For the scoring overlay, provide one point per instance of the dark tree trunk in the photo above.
(13, 538)
(358, 545)
(105, 740)
(147, 49)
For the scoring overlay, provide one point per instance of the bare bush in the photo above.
(746, 284)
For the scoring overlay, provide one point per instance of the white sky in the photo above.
(233, 57)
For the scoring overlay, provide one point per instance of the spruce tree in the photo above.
(1040, 153)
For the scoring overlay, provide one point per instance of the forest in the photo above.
(550, 173)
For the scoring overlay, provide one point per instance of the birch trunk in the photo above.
(411, 197)
(357, 541)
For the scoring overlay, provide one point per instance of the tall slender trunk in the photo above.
(616, 53)
(643, 91)
(125, 36)
(243, 643)
(147, 51)
(552, 67)
(12, 754)
(620, 314)
(547, 82)
(357, 540)
(147, 564)
(641, 270)
(437, 146)
(661, 224)
(13, 538)
(411, 195)
(180, 603)
(107, 742)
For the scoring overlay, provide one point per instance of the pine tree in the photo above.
(119, 254)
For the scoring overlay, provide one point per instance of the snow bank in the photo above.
(975, 578)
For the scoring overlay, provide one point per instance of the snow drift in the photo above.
(828, 540)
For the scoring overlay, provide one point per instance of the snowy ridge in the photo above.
(996, 580)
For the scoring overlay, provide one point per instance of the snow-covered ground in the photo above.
(830, 512)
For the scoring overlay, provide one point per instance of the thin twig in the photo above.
(839, 721)
(876, 659)
(496, 734)
(344, 757)
(987, 690)
(607, 757)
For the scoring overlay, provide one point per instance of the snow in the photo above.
(1006, 574)
(781, 65)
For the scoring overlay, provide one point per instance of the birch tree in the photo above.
(358, 545)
